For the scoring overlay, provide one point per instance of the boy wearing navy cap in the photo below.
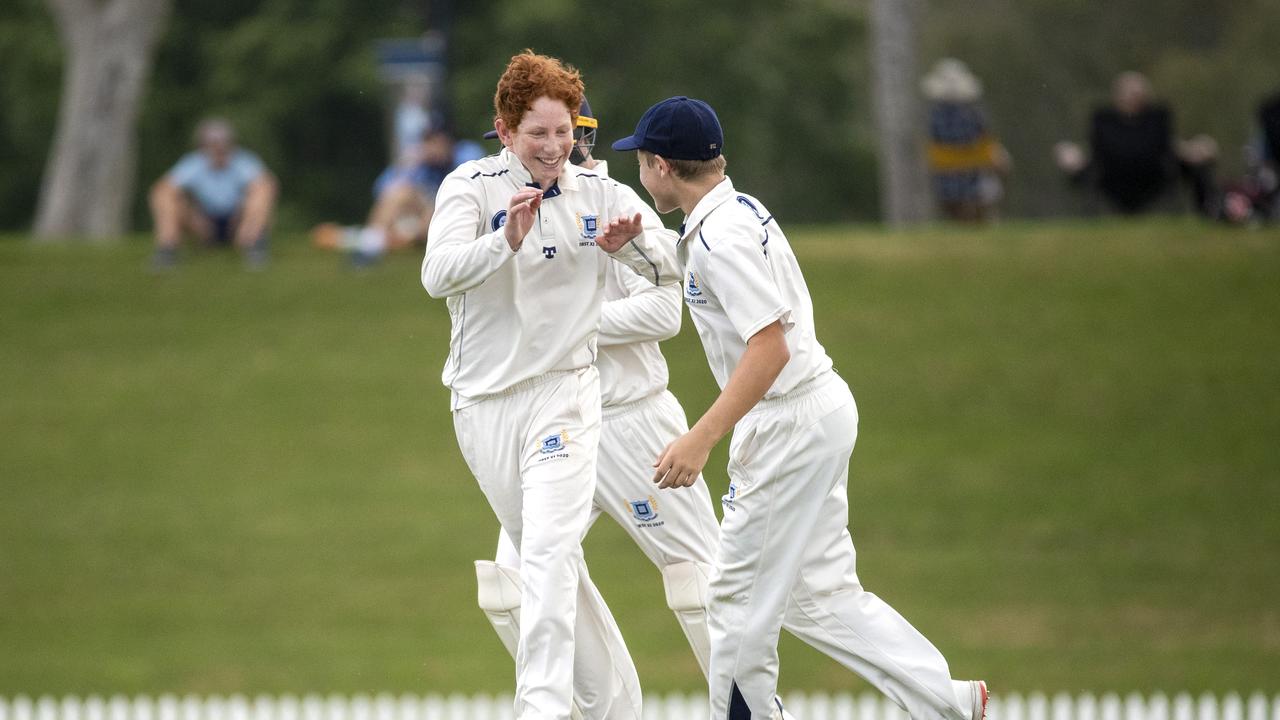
(786, 557)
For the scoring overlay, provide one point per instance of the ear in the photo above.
(505, 134)
(664, 167)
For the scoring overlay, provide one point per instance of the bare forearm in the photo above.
(683, 459)
(763, 361)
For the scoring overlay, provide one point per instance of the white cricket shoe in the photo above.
(972, 694)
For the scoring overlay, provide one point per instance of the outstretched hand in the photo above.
(619, 232)
(522, 212)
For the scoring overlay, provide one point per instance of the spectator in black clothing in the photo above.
(1255, 196)
(1134, 158)
(1269, 118)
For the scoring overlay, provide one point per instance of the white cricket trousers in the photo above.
(533, 451)
(786, 558)
(669, 526)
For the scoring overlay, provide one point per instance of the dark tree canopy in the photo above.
(793, 88)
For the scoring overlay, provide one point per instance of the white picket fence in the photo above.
(868, 706)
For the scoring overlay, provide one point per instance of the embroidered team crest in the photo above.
(498, 220)
(644, 510)
(727, 500)
(693, 290)
(588, 226)
(554, 443)
(549, 252)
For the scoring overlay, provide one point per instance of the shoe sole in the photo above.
(980, 700)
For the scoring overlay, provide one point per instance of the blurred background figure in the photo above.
(968, 164)
(1255, 197)
(412, 121)
(404, 199)
(220, 193)
(1134, 159)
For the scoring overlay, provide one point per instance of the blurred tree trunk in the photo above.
(904, 180)
(89, 176)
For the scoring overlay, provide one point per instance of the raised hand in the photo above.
(522, 212)
(619, 232)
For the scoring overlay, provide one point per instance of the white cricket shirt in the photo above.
(636, 315)
(518, 315)
(740, 276)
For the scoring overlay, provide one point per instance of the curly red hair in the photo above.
(530, 76)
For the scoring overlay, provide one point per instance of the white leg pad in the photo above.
(686, 586)
(498, 594)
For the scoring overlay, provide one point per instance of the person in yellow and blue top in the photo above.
(965, 159)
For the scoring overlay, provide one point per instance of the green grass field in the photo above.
(1068, 473)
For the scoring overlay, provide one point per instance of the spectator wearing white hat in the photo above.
(967, 162)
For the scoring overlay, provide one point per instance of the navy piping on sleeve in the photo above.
(656, 276)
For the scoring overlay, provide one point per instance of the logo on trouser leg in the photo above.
(646, 512)
(554, 445)
(728, 498)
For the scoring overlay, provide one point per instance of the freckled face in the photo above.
(543, 140)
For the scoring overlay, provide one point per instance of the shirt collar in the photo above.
(712, 200)
(568, 179)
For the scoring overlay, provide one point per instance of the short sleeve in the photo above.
(186, 171)
(739, 275)
(248, 166)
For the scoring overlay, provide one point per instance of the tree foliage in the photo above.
(792, 84)
(785, 84)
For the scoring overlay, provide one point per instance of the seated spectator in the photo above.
(404, 199)
(1134, 159)
(966, 160)
(219, 193)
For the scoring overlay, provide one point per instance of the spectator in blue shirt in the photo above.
(404, 199)
(219, 193)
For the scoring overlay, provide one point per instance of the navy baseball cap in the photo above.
(586, 119)
(677, 128)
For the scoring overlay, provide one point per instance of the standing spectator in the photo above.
(1255, 195)
(412, 121)
(220, 193)
(1269, 120)
(966, 160)
(1134, 159)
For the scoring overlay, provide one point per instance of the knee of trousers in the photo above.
(826, 581)
(553, 554)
